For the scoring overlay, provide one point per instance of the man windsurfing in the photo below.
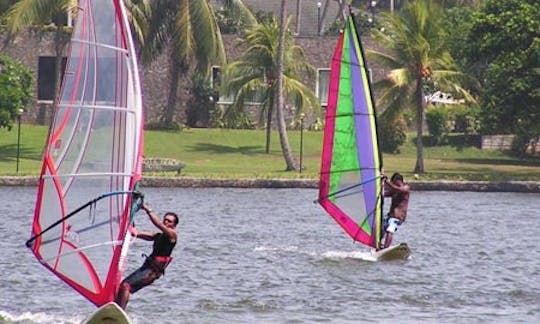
(155, 264)
(399, 191)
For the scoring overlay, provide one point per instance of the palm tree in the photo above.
(239, 10)
(257, 70)
(418, 59)
(138, 12)
(26, 13)
(187, 30)
(280, 100)
(458, 3)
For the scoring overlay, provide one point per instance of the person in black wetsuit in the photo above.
(399, 191)
(155, 264)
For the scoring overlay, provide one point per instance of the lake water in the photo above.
(272, 256)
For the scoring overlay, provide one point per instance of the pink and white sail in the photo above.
(93, 152)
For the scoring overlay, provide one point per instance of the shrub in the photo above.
(201, 103)
(392, 134)
(15, 89)
(158, 125)
(437, 123)
(465, 119)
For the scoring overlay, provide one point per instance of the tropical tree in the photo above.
(280, 100)
(258, 70)
(16, 82)
(503, 39)
(233, 16)
(238, 9)
(419, 62)
(187, 31)
(4, 6)
(458, 3)
(26, 13)
(138, 12)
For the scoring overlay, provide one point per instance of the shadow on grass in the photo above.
(215, 148)
(530, 161)
(8, 153)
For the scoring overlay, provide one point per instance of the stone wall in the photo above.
(184, 182)
(497, 142)
(29, 46)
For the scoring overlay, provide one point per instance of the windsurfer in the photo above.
(399, 191)
(155, 264)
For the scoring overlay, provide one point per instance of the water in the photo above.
(272, 256)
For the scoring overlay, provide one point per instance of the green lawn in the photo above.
(240, 154)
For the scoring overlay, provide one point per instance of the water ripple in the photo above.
(272, 256)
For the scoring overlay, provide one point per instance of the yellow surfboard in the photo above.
(109, 313)
(395, 252)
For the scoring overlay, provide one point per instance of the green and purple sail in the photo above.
(350, 189)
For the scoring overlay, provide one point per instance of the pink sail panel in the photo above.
(349, 188)
(94, 149)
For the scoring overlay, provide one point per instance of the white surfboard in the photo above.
(109, 313)
(395, 252)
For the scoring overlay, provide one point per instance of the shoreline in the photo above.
(181, 182)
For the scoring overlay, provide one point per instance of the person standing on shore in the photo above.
(399, 191)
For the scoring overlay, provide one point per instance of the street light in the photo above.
(371, 7)
(19, 113)
(319, 4)
(302, 116)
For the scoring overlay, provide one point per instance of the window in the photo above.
(46, 77)
(323, 82)
(321, 90)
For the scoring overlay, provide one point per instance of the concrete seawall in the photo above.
(182, 182)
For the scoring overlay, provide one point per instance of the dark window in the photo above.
(46, 77)
(323, 80)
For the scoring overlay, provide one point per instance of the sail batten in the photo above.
(92, 161)
(102, 45)
(95, 106)
(349, 186)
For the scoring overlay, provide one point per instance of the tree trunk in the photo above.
(342, 9)
(282, 128)
(269, 125)
(169, 111)
(59, 47)
(420, 105)
(298, 15)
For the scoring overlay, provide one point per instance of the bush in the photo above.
(201, 103)
(392, 134)
(465, 119)
(437, 123)
(158, 125)
(16, 84)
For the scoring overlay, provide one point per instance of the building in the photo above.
(36, 49)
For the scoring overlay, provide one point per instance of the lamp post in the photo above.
(319, 4)
(19, 113)
(372, 5)
(302, 116)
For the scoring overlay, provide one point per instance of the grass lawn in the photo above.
(213, 153)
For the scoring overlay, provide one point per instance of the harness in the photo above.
(158, 263)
